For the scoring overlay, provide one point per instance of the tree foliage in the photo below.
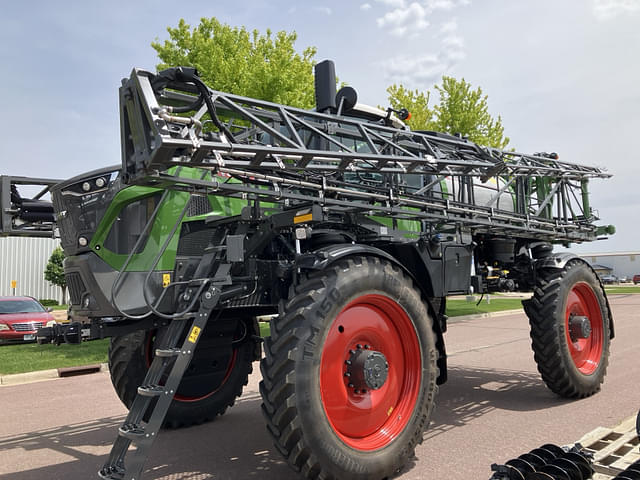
(414, 101)
(54, 271)
(464, 110)
(232, 59)
(460, 109)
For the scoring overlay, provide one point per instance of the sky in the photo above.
(563, 75)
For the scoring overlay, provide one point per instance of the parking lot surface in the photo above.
(493, 407)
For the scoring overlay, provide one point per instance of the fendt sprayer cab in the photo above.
(345, 227)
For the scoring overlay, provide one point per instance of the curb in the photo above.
(42, 375)
(476, 316)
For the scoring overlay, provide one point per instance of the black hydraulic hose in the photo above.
(212, 109)
(189, 75)
(188, 108)
(204, 93)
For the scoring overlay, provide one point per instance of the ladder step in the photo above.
(112, 473)
(167, 352)
(132, 432)
(150, 390)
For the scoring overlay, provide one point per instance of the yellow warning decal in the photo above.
(303, 218)
(166, 280)
(193, 336)
(390, 410)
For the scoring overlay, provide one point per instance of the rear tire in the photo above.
(570, 364)
(195, 402)
(332, 426)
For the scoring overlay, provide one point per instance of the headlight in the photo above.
(4, 326)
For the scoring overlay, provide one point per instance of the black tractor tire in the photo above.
(332, 426)
(130, 357)
(572, 361)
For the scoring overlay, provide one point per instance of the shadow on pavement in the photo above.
(237, 446)
(471, 393)
(234, 446)
(71, 449)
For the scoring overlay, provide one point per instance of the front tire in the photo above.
(215, 378)
(570, 329)
(363, 317)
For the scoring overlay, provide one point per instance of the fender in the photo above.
(325, 256)
(556, 260)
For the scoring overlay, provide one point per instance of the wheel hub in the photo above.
(579, 327)
(366, 369)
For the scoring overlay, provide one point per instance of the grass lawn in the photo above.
(29, 357)
(621, 289)
(457, 307)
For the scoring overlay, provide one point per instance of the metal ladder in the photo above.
(134, 429)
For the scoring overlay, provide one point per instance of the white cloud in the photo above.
(325, 10)
(453, 42)
(445, 4)
(393, 3)
(411, 18)
(455, 55)
(365, 6)
(414, 71)
(608, 9)
(440, 4)
(404, 17)
(449, 27)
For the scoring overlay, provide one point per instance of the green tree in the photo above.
(461, 109)
(416, 102)
(464, 110)
(232, 59)
(54, 272)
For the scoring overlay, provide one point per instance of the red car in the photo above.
(20, 318)
(636, 279)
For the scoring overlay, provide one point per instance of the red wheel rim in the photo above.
(149, 348)
(374, 419)
(586, 353)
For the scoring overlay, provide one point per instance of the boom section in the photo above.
(25, 206)
(260, 150)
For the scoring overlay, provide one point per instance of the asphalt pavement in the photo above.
(493, 407)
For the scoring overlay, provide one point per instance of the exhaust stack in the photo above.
(325, 83)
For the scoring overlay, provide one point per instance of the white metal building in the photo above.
(623, 264)
(24, 259)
